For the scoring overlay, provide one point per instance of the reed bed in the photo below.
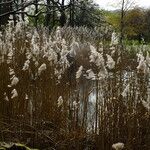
(73, 89)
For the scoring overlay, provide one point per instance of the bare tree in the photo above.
(55, 12)
(125, 6)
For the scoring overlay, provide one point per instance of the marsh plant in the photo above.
(73, 89)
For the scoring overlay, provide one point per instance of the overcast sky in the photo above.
(109, 4)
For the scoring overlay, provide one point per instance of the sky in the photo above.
(111, 4)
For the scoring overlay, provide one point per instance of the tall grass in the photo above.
(72, 90)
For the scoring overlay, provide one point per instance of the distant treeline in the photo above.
(136, 23)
